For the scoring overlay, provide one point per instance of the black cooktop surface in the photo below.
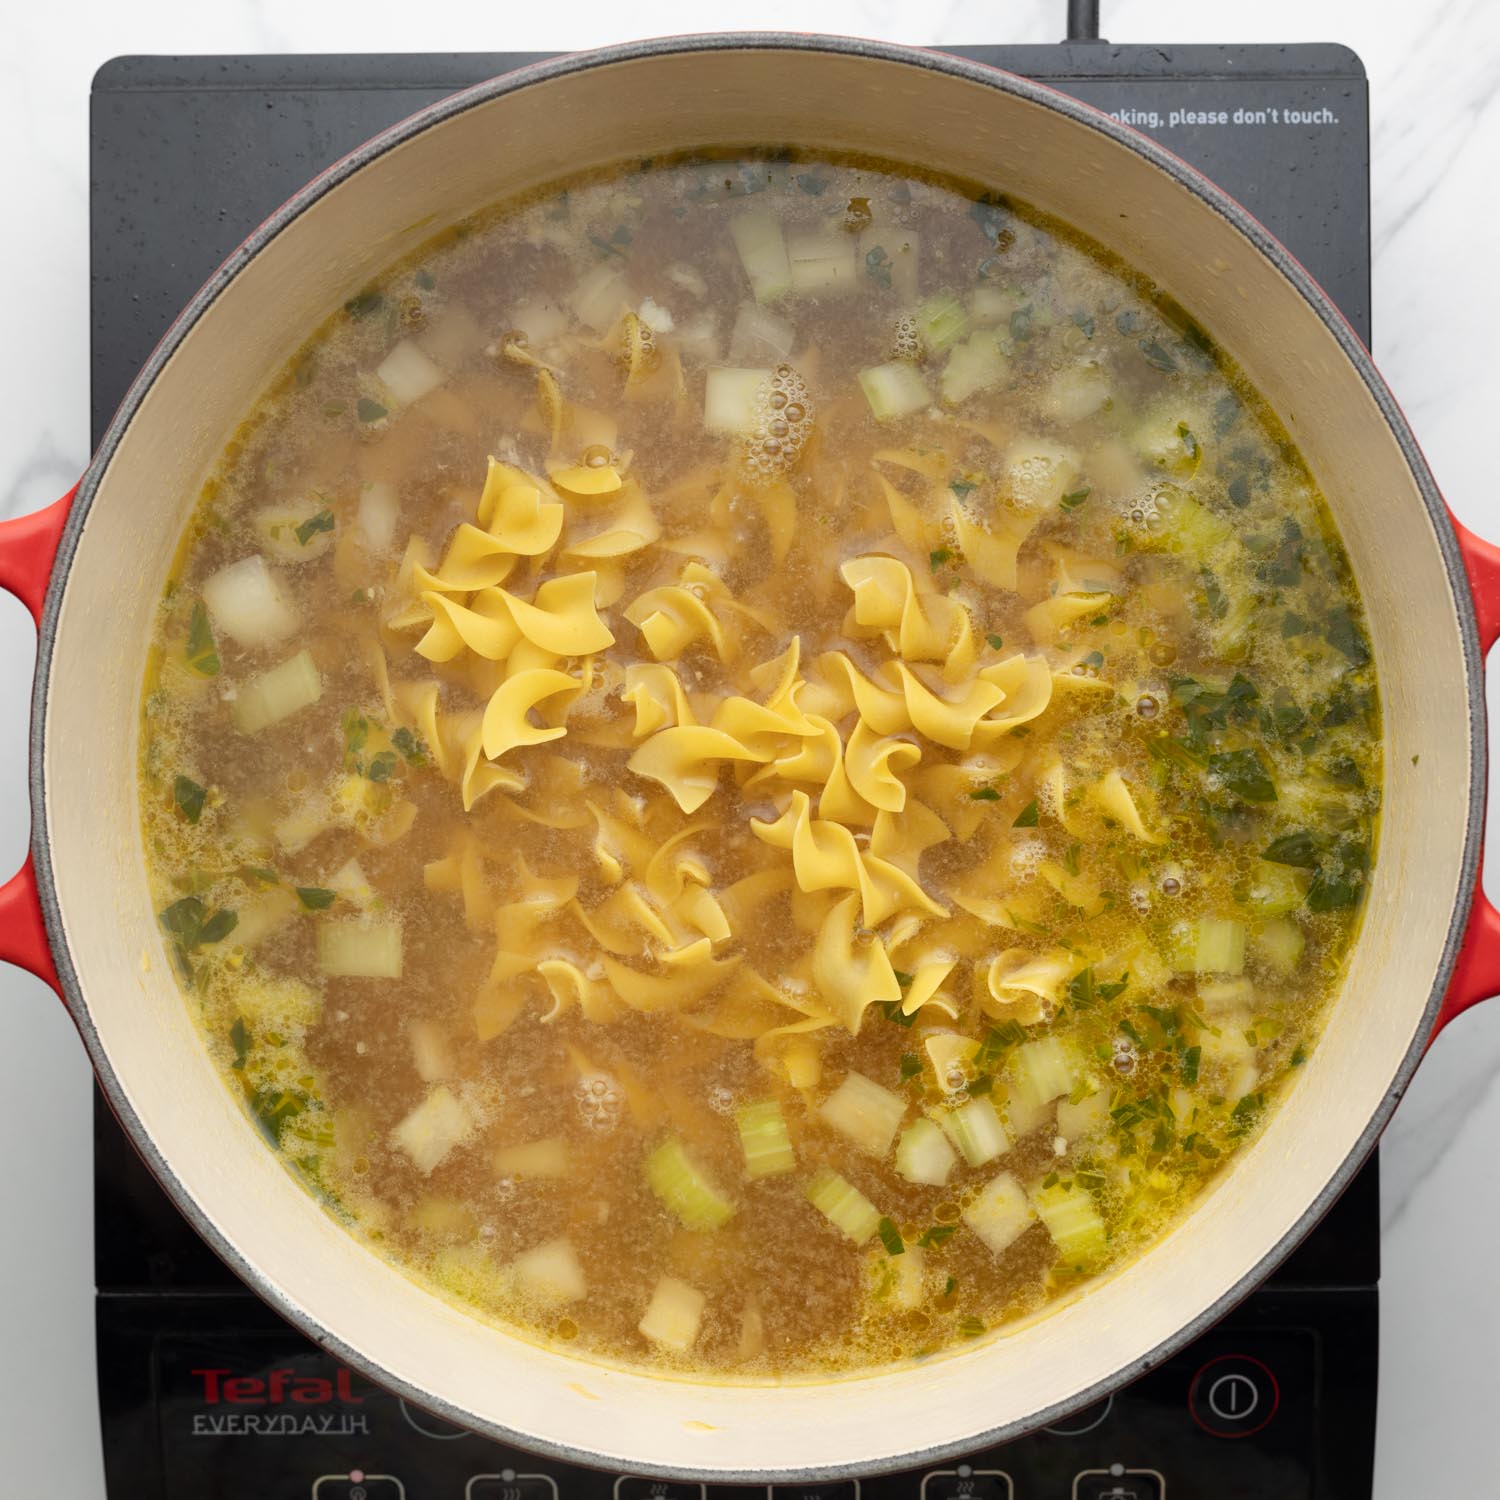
(204, 1391)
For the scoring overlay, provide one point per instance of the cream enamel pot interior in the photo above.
(121, 529)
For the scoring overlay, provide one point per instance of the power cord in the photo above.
(1083, 21)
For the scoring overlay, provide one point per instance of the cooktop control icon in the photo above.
(1119, 1483)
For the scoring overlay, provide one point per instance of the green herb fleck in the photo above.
(1020, 324)
(190, 797)
(202, 650)
(811, 184)
(1075, 498)
(911, 1065)
(878, 265)
(364, 304)
(936, 1236)
(994, 642)
(1243, 773)
(1190, 1063)
(939, 557)
(1300, 850)
(369, 411)
(239, 1039)
(962, 487)
(190, 922)
(426, 280)
(890, 1237)
(311, 527)
(383, 766)
(1157, 357)
(1083, 321)
(984, 794)
(1299, 1055)
(1028, 817)
(896, 1015)
(316, 897)
(413, 751)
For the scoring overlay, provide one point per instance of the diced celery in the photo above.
(843, 1205)
(541, 320)
(895, 389)
(244, 601)
(1232, 631)
(430, 1053)
(1216, 996)
(277, 694)
(923, 1154)
(547, 1157)
(264, 914)
(864, 1112)
(821, 262)
(1042, 1070)
(1021, 1115)
(993, 304)
(976, 1130)
(763, 1138)
(550, 1272)
(1219, 946)
(1000, 1214)
(675, 1314)
(1277, 889)
(433, 1129)
(684, 1190)
(759, 335)
(1076, 1122)
(1280, 943)
(360, 949)
(942, 320)
(408, 374)
(974, 365)
(759, 238)
(731, 399)
(1073, 1222)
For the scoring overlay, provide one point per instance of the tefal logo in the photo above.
(275, 1388)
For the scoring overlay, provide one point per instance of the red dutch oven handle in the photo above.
(28, 546)
(1476, 974)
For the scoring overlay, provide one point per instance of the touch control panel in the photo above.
(236, 1405)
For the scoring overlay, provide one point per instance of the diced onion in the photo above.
(758, 237)
(277, 694)
(377, 513)
(540, 320)
(408, 374)
(974, 365)
(550, 1272)
(286, 534)
(245, 602)
(675, 1314)
(759, 335)
(894, 390)
(544, 1158)
(1000, 1214)
(599, 299)
(430, 1053)
(359, 949)
(433, 1129)
(923, 1154)
(822, 263)
(350, 882)
(864, 1112)
(731, 400)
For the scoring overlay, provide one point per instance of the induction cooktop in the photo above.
(204, 1391)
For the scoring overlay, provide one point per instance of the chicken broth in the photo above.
(759, 765)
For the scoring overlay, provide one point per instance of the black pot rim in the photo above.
(371, 151)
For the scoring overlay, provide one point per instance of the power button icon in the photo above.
(1233, 1396)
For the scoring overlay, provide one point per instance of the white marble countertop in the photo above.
(1434, 86)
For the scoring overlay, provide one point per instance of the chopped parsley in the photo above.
(189, 797)
(316, 897)
(1028, 817)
